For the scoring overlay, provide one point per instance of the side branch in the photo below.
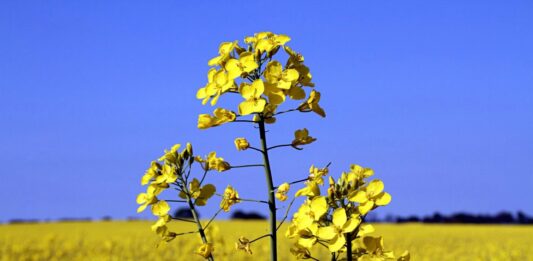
(246, 166)
(212, 218)
(284, 145)
(261, 237)
(183, 219)
(286, 214)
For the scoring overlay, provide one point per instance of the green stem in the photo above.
(271, 197)
(349, 246)
(196, 219)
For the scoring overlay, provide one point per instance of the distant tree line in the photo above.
(503, 217)
(461, 218)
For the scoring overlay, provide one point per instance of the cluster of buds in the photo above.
(336, 220)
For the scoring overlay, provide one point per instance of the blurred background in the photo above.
(434, 96)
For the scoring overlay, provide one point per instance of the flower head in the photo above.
(205, 250)
(230, 197)
(370, 196)
(282, 191)
(243, 244)
(241, 144)
(252, 97)
(316, 174)
(301, 137)
(224, 51)
(312, 104)
(245, 64)
(200, 194)
(160, 208)
(335, 232)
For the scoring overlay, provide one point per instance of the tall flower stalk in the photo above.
(333, 220)
(270, 190)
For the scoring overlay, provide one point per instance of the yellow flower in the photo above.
(159, 227)
(221, 116)
(245, 64)
(283, 79)
(216, 163)
(168, 175)
(151, 173)
(209, 89)
(301, 137)
(296, 62)
(257, 36)
(160, 208)
(205, 250)
(271, 42)
(220, 82)
(335, 232)
(252, 95)
(281, 193)
(241, 144)
(360, 172)
(294, 57)
(224, 51)
(145, 199)
(316, 174)
(374, 249)
(205, 121)
(171, 155)
(200, 194)
(230, 197)
(243, 244)
(300, 252)
(310, 190)
(312, 104)
(370, 196)
(310, 212)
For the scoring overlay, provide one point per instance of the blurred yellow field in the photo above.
(134, 241)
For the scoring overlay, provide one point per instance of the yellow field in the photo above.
(135, 241)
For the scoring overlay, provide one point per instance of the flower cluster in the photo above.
(158, 178)
(263, 82)
(173, 170)
(336, 219)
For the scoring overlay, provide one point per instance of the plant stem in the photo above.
(196, 219)
(349, 246)
(270, 186)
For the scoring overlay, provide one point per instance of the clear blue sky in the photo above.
(436, 96)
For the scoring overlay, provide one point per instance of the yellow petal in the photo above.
(207, 191)
(365, 207)
(358, 196)
(141, 208)
(319, 206)
(339, 217)
(383, 199)
(290, 75)
(258, 87)
(350, 225)
(296, 93)
(307, 242)
(250, 106)
(365, 229)
(337, 243)
(327, 233)
(375, 187)
(142, 198)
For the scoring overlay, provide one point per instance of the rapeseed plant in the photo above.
(334, 220)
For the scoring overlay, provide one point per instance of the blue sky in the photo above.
(435, 96)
